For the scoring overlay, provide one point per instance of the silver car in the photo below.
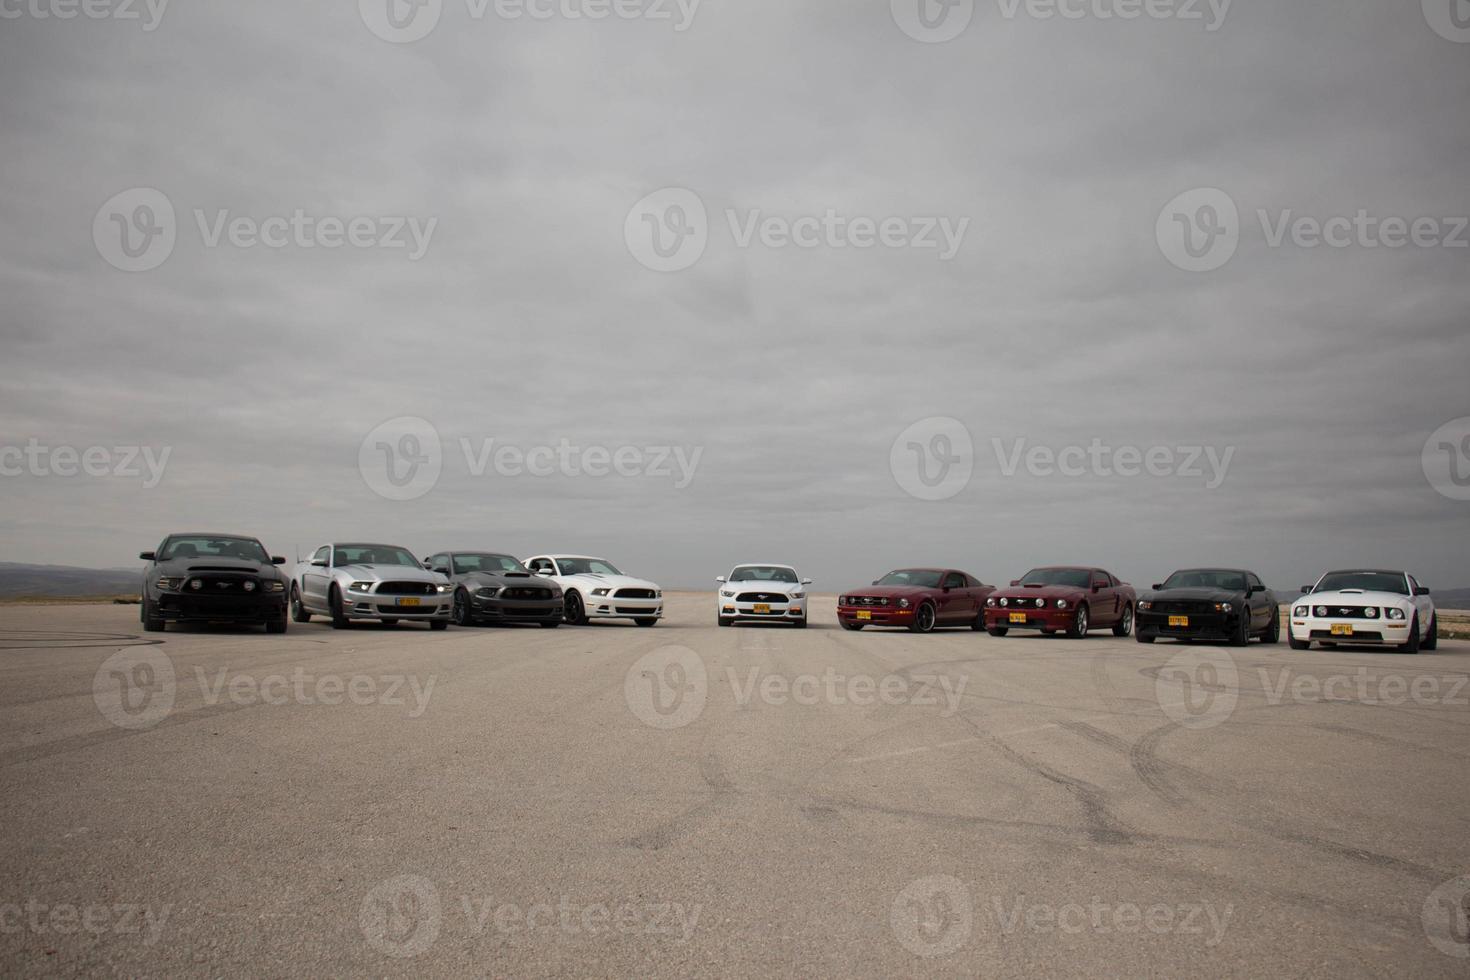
(351, 582)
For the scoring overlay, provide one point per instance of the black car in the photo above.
(213, 578)
(495, 588)
(1209, 604)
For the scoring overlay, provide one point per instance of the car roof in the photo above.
(1214, 568)
(365, 544)
(558, 557)
(762, 564)
(497, 554)
(1370, 571)
(212, 534)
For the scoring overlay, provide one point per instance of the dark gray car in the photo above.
(495, 588)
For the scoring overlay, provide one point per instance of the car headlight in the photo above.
(1005, 601)
(169, 583)
(1371, 612)
(1061, 603)
(361, 586)
(1397, 614)
(1145, 604)
(445, 587)
(731, 595)
(841, 600)
(798, 595)
(990, 603)
(658, 593)
(1300, 612)
(1224, 607)
(488, 592)
(249, 586)
(1320, 611)
(884, 602)
(1041, 603)
(903, 603)
(599, 591)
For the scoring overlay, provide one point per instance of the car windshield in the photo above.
(586, 566)
(923, 578)
(198, 546)
(1079, 578)
(1370, 581)
(480, 562)
(762, 573)
(371, 554)
(1206, 578)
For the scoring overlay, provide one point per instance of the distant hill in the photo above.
(60, 580)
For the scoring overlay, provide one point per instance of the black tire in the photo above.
(1273, 631)
(799, 623)
(1124, 625)
(389, 622)
(575, 614)
(979, 624)
(334, 604)
(998, 630)
(646, 621)
(438, 624)
(278, 625)
(923, 619)
(298, 610)
(550, 624)
(1412, 646)
(151, 623)
(1241, 635)
(1080, 623)
(851, 626)
(1296, 644)
(724, 620)
(461, 614)
(1431, 640)
(1143, 637)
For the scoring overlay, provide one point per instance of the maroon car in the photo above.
(918, 599)
(1062, 599)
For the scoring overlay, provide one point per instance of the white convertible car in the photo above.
(593, 588)
(1365, 606)
(768, 593)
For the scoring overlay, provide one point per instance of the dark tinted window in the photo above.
(203, 546)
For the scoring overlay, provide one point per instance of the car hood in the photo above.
(782, 588)
(181, 565)
(1194, 594)
(1354, 597)
(1039, 592)
(512, 580)
(891, 591)
(594, 580)
(388, 573)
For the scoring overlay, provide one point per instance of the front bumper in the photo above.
(181, 607)
(734, 609)
(1045, 618)
(1377, 632)
(371, 605)
(613, 607)
(516, 610)
(876, 615)
(1194, 626)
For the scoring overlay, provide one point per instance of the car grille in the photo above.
(1183, 607)
(220, 585)
(761, 597)
(407, 610)
(633, 610)
(1350, 612)
(1022, 602)
(525, 593)
(634, 594)
(407, 588)
(1331, 637)
(866, 600)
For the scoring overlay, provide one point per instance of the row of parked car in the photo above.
(221, 577)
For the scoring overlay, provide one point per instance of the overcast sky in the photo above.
(520, 150)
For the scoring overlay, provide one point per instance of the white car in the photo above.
(1365, 606)
(383, 582)
(593, 588)
(765, 593)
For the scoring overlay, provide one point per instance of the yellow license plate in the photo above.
(1178, 620)
(762, 607)
(864, 614)
(408, 602)
(1018, 617)
(1342, 629)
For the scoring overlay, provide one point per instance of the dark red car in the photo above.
(918, 599)
(1062, 599)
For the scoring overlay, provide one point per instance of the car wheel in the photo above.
(646, 620)
(851, 626)
(923, 619)
(979, 624)
(1273, 632)
(1079, 623)
(998, 630)
(1241, 635)
(724, 620)
(461, 612)
(152, 623)
(334, 604)
(279, 624)
(438, 624)
(550, 624)
(1143, 637)
(1431, 639)
(1125, 625)
(298, 610)
(575, 614)
(1412, 646)
(799, 623)
(1296, 644)
(389, 622)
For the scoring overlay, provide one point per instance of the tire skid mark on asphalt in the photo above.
(1390, 741)
(1152, 770)
(61, 746)
(681, 825)
(19, 640)
(1103, 826)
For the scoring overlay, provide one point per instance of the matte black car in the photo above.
(1229, 604)
(213, 578)
(496, 588)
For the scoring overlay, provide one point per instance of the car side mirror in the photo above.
(1157, 586)
(148, 555)
(1306, 590)
(806, 581)
(1015, 581)
(1421, 590)
(875, 581)
(545, 573)
(319, 562)
(442, 570)
(1097, 586)
(720, 579)
(277, 560)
